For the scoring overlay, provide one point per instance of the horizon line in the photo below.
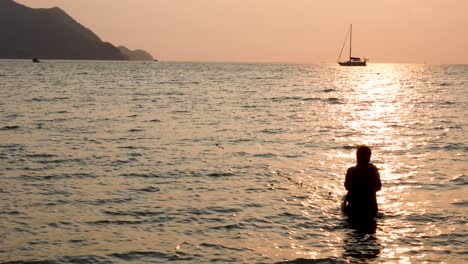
(234, 62)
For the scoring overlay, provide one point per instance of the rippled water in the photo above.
(111, 162)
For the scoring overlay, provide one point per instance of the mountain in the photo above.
(136, 55)
(49, 33)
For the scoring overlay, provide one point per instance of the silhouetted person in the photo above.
(362, 182)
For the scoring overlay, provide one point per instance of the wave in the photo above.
(328, 90)
(9, 128)
(313, 261)
(273, 131)
(44, 99)
(65, 259)
(151, 256)
(140, 175)
(223, 247)
(330, 100)
(229, 227)
(58, 161)
(153, 121)
(133, 213)
(265, 155)
(56, 176)
(135, 130)
(105, 201)
(149, 189)
(220, 174)
(461, 203)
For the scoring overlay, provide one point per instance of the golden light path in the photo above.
(381, 118)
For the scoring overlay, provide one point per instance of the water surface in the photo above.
(111, 162)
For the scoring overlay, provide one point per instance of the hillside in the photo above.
(136, 55)
(49, 34)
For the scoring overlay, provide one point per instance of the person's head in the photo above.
(363, 154)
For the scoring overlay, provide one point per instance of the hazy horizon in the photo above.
(301, 31)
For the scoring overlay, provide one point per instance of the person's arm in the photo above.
(378, 183)
(347, 183)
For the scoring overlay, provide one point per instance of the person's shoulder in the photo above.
(373, 167)
(352, 169)
(363, 167)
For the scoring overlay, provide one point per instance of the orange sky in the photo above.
(311, 31)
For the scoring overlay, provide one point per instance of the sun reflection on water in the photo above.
(382, 110)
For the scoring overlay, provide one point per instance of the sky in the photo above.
(298, 31)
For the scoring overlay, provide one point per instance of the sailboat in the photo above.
(353, 61)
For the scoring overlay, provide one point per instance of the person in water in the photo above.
(362, 182)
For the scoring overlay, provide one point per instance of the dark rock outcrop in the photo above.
(136, 55)
(50, 33)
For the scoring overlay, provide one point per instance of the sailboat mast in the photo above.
(350, 39)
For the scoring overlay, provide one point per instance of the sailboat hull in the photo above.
(353, 63)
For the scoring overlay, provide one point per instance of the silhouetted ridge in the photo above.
(48, 33)
(136, 55)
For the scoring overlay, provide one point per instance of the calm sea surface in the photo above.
(115, 162)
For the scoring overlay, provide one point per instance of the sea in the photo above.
(185, 162)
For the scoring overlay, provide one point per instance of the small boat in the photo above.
(36, 60)
(353, 61)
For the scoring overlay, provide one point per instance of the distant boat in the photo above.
(353, 61)
(36, 60)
